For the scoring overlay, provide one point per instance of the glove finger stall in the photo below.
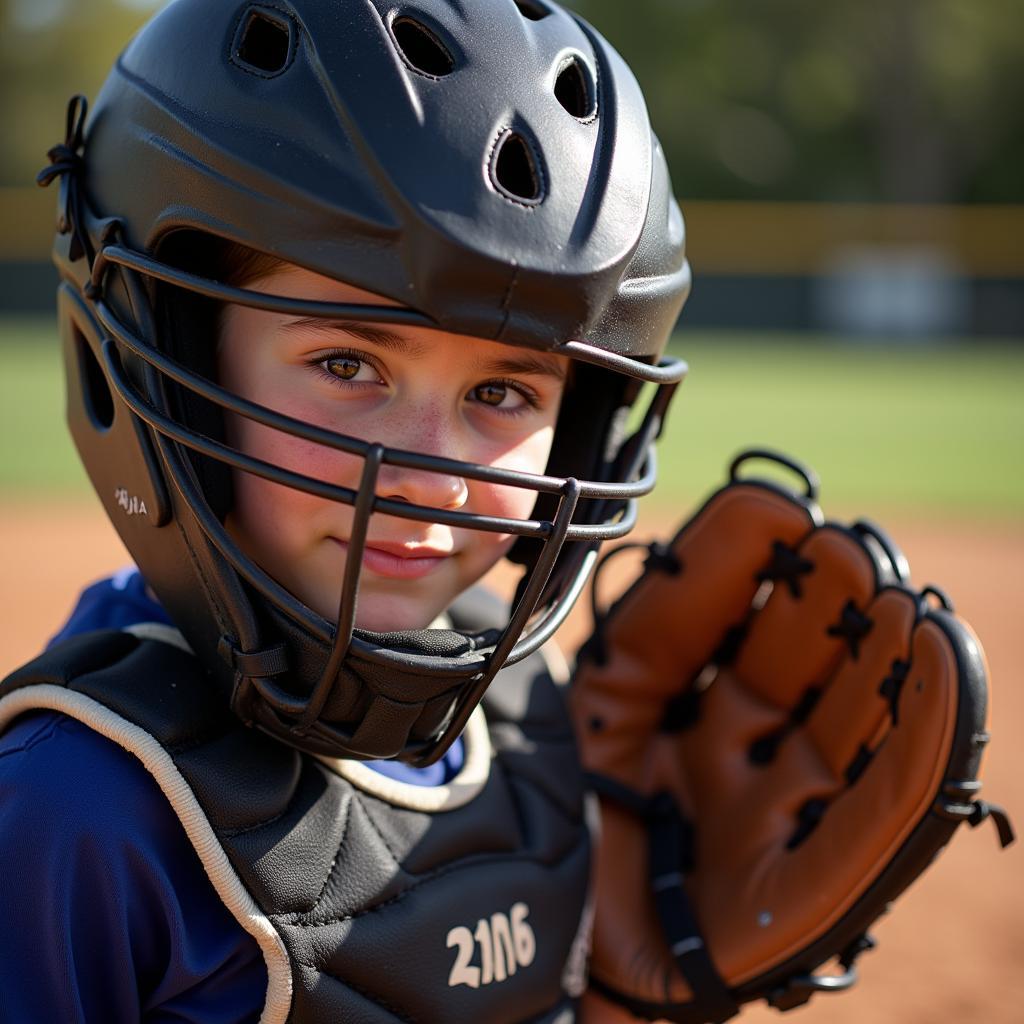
(827, 711)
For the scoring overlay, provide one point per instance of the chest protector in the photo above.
(372, 904)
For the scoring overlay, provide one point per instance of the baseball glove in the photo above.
(782, 733)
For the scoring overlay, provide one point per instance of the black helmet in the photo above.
(490, 167)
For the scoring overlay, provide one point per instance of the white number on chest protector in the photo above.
(504, 941)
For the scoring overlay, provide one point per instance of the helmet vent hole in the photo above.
(99, 404)
(422, 50)
(573, 89)
(532, 10)
(263, 44)
(515, 171)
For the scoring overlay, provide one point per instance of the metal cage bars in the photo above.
(224, 399)
(511, 645)
(538, 529)
(165, 425)
(669, 370)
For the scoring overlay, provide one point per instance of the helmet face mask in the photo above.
(146, 410)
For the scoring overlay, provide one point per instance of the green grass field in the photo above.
(900, 426)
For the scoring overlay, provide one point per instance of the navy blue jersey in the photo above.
(106, 912)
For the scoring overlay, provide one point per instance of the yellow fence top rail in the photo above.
(724, 237)
(804, 238)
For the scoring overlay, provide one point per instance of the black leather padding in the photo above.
(365, 895)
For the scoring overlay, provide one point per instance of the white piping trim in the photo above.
(465, 787)
(470, 780)
(556, 663)
(159, 631)
(200, 833)
(574, 974)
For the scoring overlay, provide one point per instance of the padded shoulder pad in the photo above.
(139, 679)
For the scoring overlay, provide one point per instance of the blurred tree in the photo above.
(912, 100)
(50, 49)
(908, 100)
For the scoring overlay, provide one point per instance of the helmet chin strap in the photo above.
(368, 709)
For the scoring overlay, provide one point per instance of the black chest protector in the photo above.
(368, 909)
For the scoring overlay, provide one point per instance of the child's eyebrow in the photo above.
(525, 363)
(364, 332)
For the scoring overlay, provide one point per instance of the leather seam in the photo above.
(376, 830)
(374, 999)
(234, 833)
(295, 919)
(334, 862)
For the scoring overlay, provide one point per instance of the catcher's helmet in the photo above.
(488, 166)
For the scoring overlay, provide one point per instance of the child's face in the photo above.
(413, 388)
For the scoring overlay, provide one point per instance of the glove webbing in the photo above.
(670, 852)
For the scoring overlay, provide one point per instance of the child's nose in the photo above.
(422, 487)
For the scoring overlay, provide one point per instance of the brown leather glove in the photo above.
(782, 733)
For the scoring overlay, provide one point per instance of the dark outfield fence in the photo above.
(853, 268)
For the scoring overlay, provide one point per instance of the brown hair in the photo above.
(238, 265)
(215, 258)
(229, 263)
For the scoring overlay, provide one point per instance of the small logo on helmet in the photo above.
(130, 504)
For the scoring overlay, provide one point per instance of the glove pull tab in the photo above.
(1001, 820)
(959, 803)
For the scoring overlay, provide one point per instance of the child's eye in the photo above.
(349, 368)
(490, 394)
(503, 396)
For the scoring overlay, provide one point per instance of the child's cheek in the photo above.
(282, 522)
(529, 456)
(295, 454)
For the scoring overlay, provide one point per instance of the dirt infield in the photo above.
(953, 951)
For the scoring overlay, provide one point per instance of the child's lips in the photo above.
(396, 561)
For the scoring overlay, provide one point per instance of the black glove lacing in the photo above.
(660, 557)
